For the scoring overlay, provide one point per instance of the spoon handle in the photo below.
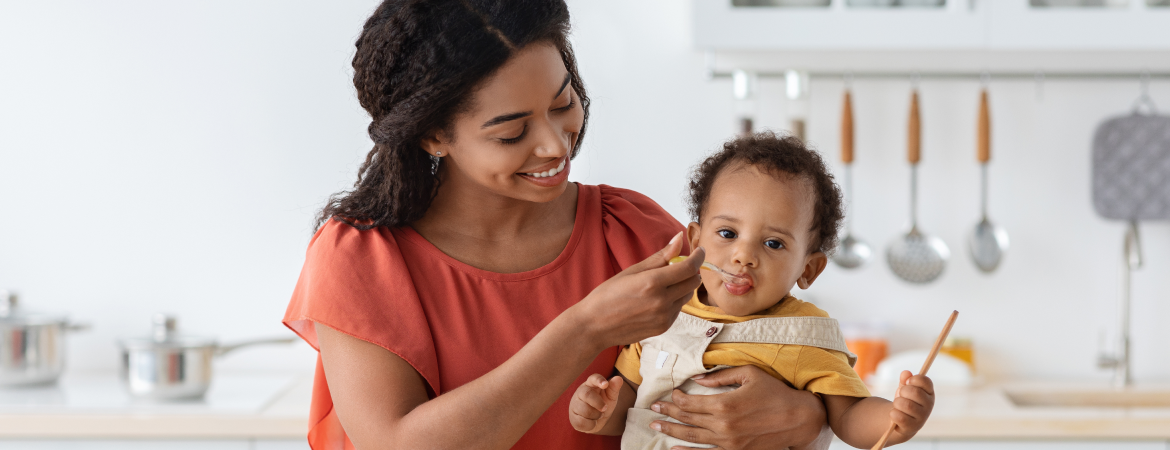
(942, 337)
(914, 135)
(847, 129)
(983, 139)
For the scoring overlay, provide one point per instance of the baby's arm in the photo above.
(860, 422)
(599, 406)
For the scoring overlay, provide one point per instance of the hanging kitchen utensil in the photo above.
(32, 344)
(917, 257)
(1131, 165)
(170, 366)
(988, 242)
(851, 252)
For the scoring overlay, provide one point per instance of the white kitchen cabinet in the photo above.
(914, 444)
(283, 444)
(120, 444)
(1051, 445)
(153, 444)
(963, 35)
(1006, 25)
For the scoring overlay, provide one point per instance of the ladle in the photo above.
(728, 277)
(917, 257)
(851, 252)
(988, 242)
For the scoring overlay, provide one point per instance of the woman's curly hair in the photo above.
(779, 156)
(416, 66)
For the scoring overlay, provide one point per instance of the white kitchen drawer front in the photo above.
(127, 444)
(914, 444)
(283, 444)
(1052, 445)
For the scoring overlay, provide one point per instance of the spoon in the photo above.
(728, 277)
(942, 337)
(917, 257)
(851, 252)
(988, 242)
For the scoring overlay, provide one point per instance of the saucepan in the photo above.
(169, 366)
(32, 344)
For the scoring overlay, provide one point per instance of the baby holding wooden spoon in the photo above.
(767, 211)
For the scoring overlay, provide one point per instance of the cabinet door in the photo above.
(914, 444)
(1052, 445)
(123, 444)
(280, 444)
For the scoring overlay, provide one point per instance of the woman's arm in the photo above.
(381, 400)
(763, 413)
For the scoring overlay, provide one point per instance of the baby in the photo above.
(765, 208)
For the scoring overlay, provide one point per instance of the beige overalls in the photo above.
(670, 360)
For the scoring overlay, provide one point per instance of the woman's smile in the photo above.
(548, 176)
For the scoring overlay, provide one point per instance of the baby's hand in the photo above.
(593, 403)
(912, 404)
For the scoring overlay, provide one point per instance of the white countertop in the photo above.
(986, 412)
(276, 407)
(97, 406)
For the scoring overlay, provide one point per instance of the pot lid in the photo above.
(12, 313)
(165, 334)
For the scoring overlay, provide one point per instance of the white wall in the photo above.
(170, 157)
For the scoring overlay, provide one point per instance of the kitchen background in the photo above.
(171, 156)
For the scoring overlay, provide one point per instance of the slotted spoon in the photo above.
(917, 257)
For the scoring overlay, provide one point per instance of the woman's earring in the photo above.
(438, 153)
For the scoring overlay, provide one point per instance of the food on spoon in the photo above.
(728, 277)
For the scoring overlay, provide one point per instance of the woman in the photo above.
(464, 286)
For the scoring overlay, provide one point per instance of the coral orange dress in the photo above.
(454, 323)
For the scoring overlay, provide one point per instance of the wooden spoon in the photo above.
(881, 443)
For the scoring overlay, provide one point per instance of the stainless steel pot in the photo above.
(169, 366)
(32, 345)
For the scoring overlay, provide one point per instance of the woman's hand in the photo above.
(763, 413)
(641, 301)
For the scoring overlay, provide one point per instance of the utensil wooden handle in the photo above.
(983, 140)
(938, 343)
(847, 130)
(914, 139)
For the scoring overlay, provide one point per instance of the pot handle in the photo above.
(225, 349)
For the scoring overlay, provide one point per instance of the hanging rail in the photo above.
(1030, 76)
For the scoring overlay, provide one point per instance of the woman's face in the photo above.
(514, 139)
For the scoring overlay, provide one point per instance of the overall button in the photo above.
(711, 331)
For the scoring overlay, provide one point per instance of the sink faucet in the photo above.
(1131, 260)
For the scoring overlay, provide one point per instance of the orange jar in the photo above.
(868, 342)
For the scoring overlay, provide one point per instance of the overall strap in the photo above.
(822, 332)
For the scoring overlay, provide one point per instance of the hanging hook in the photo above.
(847, 78)
(985, 79)
(1144, 98)
(914, 79)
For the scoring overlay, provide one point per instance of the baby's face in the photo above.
(758, 225)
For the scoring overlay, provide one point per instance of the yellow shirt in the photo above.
(813, 369)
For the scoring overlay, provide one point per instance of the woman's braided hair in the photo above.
(416, 66)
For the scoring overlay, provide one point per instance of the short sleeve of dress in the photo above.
(356, 282)
(635, 227)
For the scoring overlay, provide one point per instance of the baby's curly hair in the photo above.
(779, 156)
